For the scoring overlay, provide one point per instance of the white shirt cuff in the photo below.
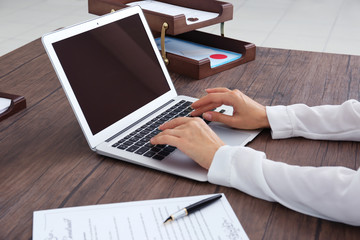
(280, 122)
(241, 168)
(220, 169)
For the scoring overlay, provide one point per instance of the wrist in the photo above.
(264, 119)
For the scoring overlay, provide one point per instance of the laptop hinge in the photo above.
(141, 119)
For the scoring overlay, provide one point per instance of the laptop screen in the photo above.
(112, 70)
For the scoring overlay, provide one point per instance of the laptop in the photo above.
(120, 91)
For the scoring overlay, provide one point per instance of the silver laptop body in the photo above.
(119, 89)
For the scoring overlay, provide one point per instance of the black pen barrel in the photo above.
(203, 203)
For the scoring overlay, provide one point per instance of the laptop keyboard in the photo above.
(138, 141)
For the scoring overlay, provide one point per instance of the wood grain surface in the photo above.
(45, 161)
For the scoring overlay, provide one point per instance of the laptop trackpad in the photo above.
(231, 136)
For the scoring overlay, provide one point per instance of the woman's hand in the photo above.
(247, 114)
(192, 136)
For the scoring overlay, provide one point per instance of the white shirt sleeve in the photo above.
(331, 193)
(327, 122)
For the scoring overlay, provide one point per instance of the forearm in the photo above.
(327, 192)
(340, 122)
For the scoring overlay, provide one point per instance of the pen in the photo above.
(193, 207)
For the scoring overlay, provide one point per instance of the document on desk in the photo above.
(198, 52)
(4, 104)
(141, 220)
(191, 15)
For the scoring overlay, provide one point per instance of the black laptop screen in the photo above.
(112, 70)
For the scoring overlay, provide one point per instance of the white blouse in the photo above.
(332, 193)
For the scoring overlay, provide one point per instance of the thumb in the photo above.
(218, 117)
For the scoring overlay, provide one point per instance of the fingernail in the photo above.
(207, 116)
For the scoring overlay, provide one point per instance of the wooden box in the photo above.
(177, 24)
(17, 104)
(201, 69)
(178, 28)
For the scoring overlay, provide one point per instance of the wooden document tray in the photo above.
(17, 104)
(177, 24)
(201, 69)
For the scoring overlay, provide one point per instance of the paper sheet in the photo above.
(191, 15)
(4, 104)
(141, 220)
(196, 51)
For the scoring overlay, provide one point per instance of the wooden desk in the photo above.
(45, 161)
